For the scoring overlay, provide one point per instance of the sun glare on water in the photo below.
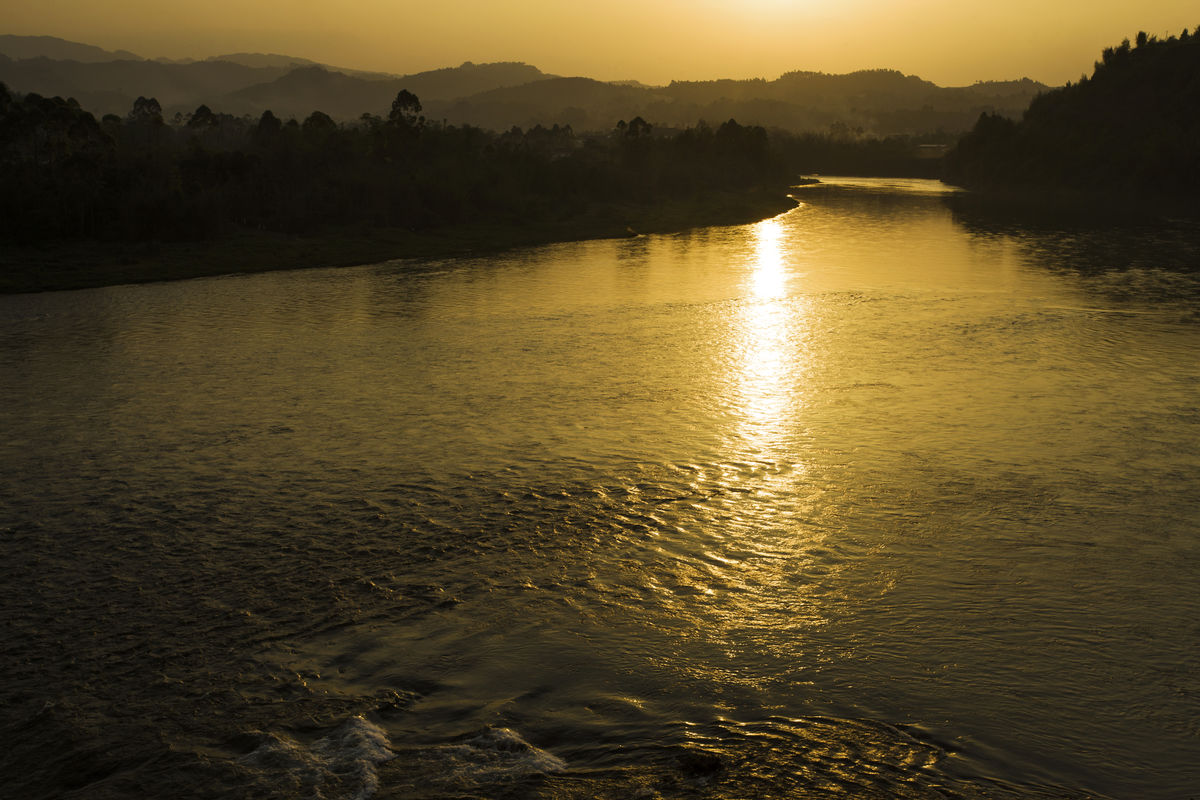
(770, 331)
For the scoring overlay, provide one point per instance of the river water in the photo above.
(877, 498)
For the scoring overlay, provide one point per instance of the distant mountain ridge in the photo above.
(112, 86)
(876, 101)
(264, 60)
(342, 96)
(275, 60)
(501, 95)
(298, 92)
(17, 47)
(248, 83)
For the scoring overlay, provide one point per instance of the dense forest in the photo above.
(1130, 133)
(68, 176)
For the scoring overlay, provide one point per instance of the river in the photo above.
(876, 498)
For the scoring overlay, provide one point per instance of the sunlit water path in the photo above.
(872, 499)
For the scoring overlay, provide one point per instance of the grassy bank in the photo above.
(79, 265)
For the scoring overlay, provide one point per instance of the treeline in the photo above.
(69, 176)
(1131, 131)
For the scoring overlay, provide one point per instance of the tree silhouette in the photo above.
(202, 117)
(267, 130)
(406, 110)
(145, 112)
(637, 128)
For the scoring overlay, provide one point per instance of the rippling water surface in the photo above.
(872, 499)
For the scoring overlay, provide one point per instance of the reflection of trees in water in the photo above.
(879, 201)
(1124, 258)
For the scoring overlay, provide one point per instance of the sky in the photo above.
(950, 42)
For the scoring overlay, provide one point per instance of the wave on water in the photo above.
(343, 764)
(499, 753)
(493, 758)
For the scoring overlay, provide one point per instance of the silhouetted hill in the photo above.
(258, 60)
(582, 103)
(866, 89)
(275, 60)
(305, 89)
(501, 95)
(111, 87)
(1131, 130)
(249, 83)
(875, 102)
(342, 96)
(18, 47)
(468, 79)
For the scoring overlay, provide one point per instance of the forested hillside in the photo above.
(1129, 132)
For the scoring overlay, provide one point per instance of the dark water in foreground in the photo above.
(868, 500)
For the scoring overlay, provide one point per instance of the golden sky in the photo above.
(951, 42)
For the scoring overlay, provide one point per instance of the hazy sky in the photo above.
(951, 42)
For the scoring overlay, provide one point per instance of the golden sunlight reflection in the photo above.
(769, 334)
(768, 580)
(768, 280)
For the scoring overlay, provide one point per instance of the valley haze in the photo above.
(500, 95)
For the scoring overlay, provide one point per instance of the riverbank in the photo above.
(81, 265)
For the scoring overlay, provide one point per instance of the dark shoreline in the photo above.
(63, 266)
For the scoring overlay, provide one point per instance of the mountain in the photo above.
(502, 95)
(582, 103)
(274, 60)
(111, 87)
(248, 83)
(877, 101)
(469, 79)
(18, 47)
(260, 60)
(305, 89)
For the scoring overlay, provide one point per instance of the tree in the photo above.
(202, 117)
(267, 130)
(637, 128)
(406, 109)
(318, 122)
(146, 112)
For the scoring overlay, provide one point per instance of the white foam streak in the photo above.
(501, 752)
(346, 760)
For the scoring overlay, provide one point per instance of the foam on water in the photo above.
(500, 753)
(487, 761)
(343, 764)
